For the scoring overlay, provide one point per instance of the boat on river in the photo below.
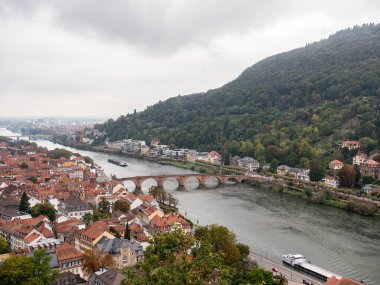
(299, 262)
(118, 162)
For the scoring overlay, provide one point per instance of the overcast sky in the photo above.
(107, 58)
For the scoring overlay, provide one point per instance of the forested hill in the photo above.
(287, 108)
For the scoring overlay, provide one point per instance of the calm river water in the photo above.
(272, 224)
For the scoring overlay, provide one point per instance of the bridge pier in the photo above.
(182, 181)
(160, 181)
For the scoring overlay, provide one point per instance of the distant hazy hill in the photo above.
(294, 105)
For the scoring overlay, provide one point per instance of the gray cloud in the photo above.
(109, 57)
(161, 26)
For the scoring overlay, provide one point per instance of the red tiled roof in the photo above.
(31, 238)
(344, 281)
(351, 142)
(371, 162)
(67, 251)
(147, 198)
(214, 154)
(93, 232)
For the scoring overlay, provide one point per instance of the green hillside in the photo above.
(287, 108)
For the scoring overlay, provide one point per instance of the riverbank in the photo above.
(309, 191)
(194, 166)
(323, 197)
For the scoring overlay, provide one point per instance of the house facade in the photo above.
(359, 158)
(370, 168)
(248, 163)
(74, 207)
(336, 164)
(330, 182)
(69, 259)
(350, 144)
(124, 253)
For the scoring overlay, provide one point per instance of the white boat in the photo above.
(292, 259)
(299, 262)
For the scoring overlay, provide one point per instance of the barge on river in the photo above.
(118, 162)
(299, 262)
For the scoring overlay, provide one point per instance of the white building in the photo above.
(359, 158)
(330, 182)
(74, 207)
(33, 201)
(248, 163)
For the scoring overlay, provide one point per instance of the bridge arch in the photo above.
(191, 182)
(130, 185)
(147, 182)
(207, 179)
(170, 183)
(201, 179)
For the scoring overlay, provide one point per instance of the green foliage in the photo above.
(127, 232)
(16, 270)
(316, 170)
(166, 262)
(4, 247)
(308, 193)
(294, 105)
(358, 176)
(115, 232)
(59, 152)
(361, 208)
(259, 276)
(88, 218)
(104, 208)
(212, 256)
(319, 198)
(4, 139)
(88, 160)
(25, 270)
(41, 267)
(367, 180)
(44, 209)
(222, 240)
(23, 165)
(33, 179)
(24, 204)
(368, 144)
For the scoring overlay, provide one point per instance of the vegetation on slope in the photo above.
(288, 108)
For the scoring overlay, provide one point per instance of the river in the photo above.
(272, 224)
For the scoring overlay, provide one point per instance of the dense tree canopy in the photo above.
(121, 205)
(4, 247)
(26, 270)
(166, 262)
(211, 256)
(44, 209)
(294, 105)
(24, 203)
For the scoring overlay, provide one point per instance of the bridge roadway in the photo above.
(182, 178)
(287, 271)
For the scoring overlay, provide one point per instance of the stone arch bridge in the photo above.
(182, 178)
